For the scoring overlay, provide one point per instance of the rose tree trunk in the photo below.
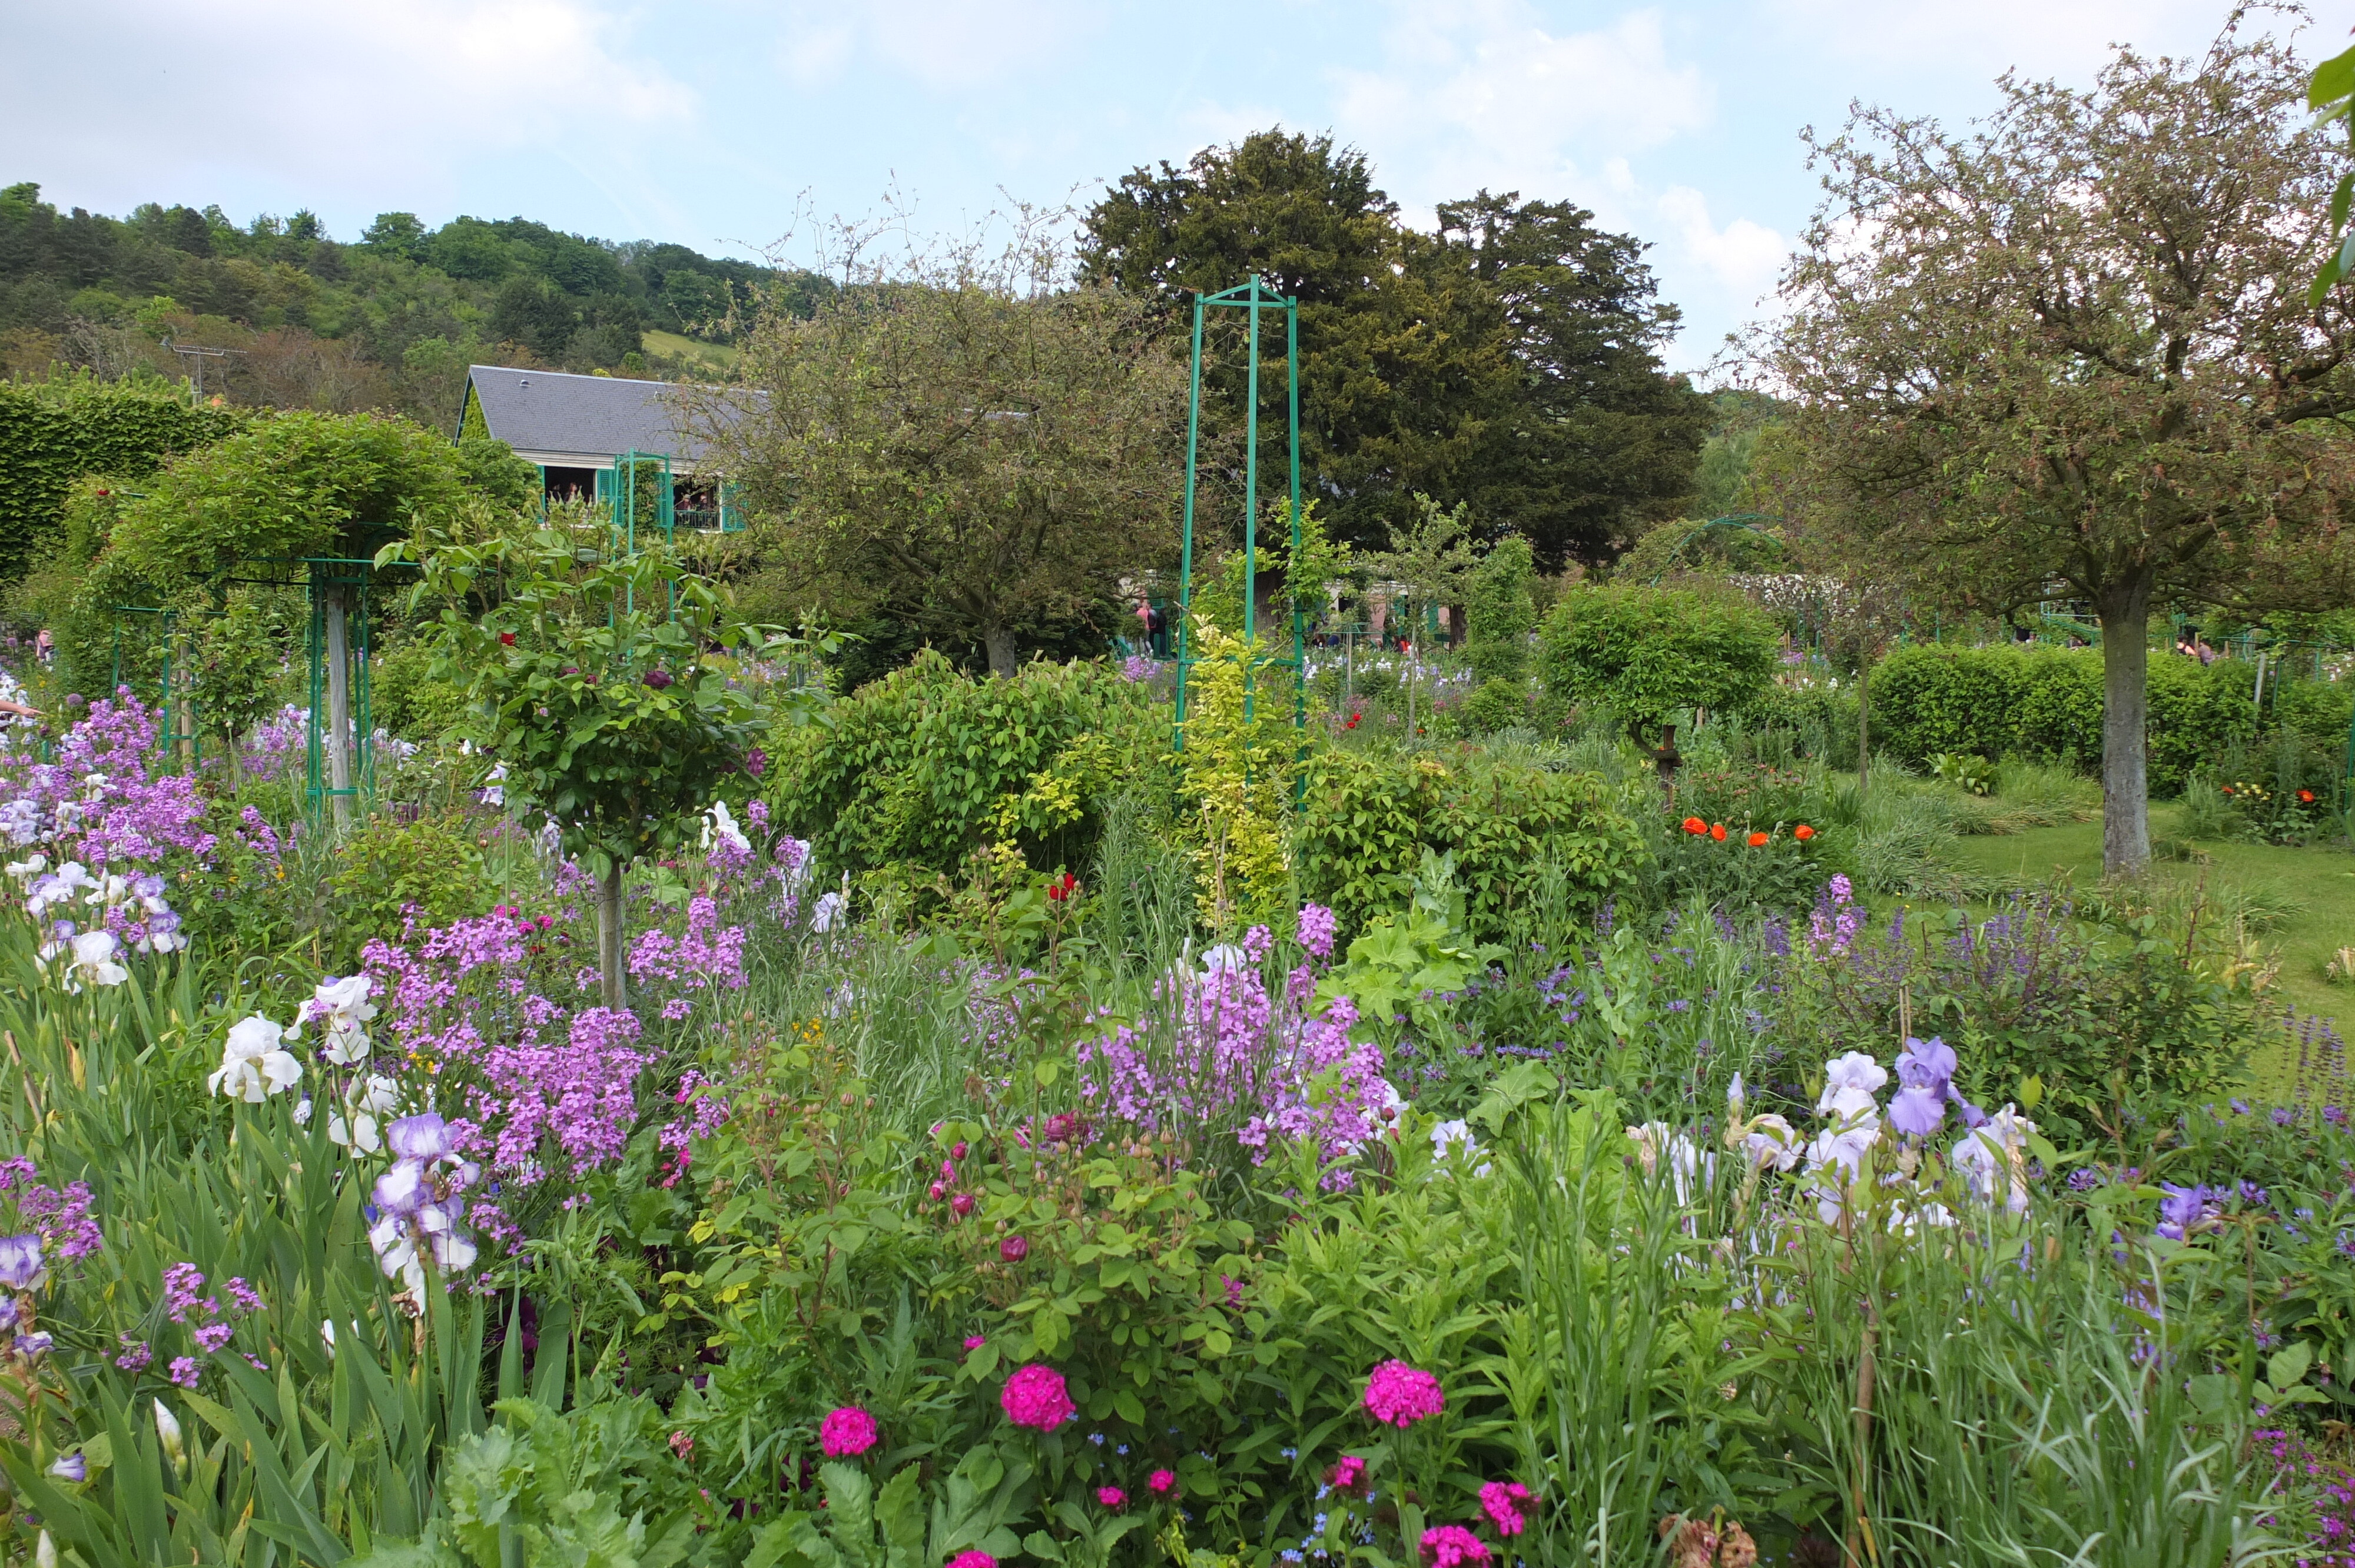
(2125, 708)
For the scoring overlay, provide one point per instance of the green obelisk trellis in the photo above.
(1253, 299)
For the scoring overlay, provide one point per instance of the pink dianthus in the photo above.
(1450, 1545)
(1036, 1397)
(973, 1559)
(1502, 1501)
(1401, 1395)
(1161, 1480)
(849, 1431)
(1348, 1472)
(1111, 1497)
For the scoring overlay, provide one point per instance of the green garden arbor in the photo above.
(1254, 299)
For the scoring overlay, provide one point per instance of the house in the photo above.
(580, 430)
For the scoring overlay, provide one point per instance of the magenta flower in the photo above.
(1111, 1497)
(961, 1205)
(1161, 1480)
(957, 1150)
(1348, 1472)
(1401, 1395)
(1450, 1545)
(1013, 1249)
(849, 1431)
(975, 1342)
(974, 1558)
(1036, 1397)
(1502, 1501)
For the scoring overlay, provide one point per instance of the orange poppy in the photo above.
(1695, 826)
(1756, 840)
(1803, 833)
(2306, 796)
(1717, 832)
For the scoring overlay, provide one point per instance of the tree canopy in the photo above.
(2071, 355)
(978, 459)
(1511, 360)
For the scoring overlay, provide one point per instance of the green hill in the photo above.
(389, 319)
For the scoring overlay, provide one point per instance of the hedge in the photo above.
(52, 433)
(2046, 704)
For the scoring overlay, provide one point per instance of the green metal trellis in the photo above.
(339, 769)
(1253, 298)
(175, 711)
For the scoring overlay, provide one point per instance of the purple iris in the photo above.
(1926, 1076)
(21, 1267)
(422, 1138)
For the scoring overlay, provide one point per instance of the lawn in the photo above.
(2312, 889)
(714, 356)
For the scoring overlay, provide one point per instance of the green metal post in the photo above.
(1292, 590)
(1251, 498)
(1186, 561)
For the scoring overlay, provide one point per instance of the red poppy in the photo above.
(2306, 796)
(1717, 832)
(1757, 840)
(1803, 833)
(506, 639)
(1059, 891)
(1695, 826)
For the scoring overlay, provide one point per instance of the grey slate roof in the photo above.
(548, 417)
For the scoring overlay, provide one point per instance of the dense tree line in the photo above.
(390, 319)
(1511, 360)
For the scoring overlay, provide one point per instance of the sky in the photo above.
(730, 126)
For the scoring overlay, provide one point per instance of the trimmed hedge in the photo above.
(2046, 704)
(53, 433)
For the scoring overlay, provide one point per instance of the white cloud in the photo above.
(2067, 38)
(1742, 259)
(392, 93)
(943, 44)
(1477, 93)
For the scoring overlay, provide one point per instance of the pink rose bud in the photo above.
(1014, 1250)
(962, 1204)
(957, 1150)
(936, 1188)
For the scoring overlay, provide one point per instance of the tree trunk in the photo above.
(609, 936)
(999, 641)
(1863, 724)
(2125, 707)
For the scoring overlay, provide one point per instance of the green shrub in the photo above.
(1499, 703)
(1368, 818)
(909, 772)
(387, 867)
(1649, 654)
(404, 699)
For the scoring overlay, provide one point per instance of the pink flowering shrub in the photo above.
(846, 1432)
(1400, 1395)
(1036, 1397)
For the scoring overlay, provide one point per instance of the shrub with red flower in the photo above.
(1401, 1395)
(846, 1433)
(1036, 1397)
(1450, 1545)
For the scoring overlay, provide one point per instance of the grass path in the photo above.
(2319, 884)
